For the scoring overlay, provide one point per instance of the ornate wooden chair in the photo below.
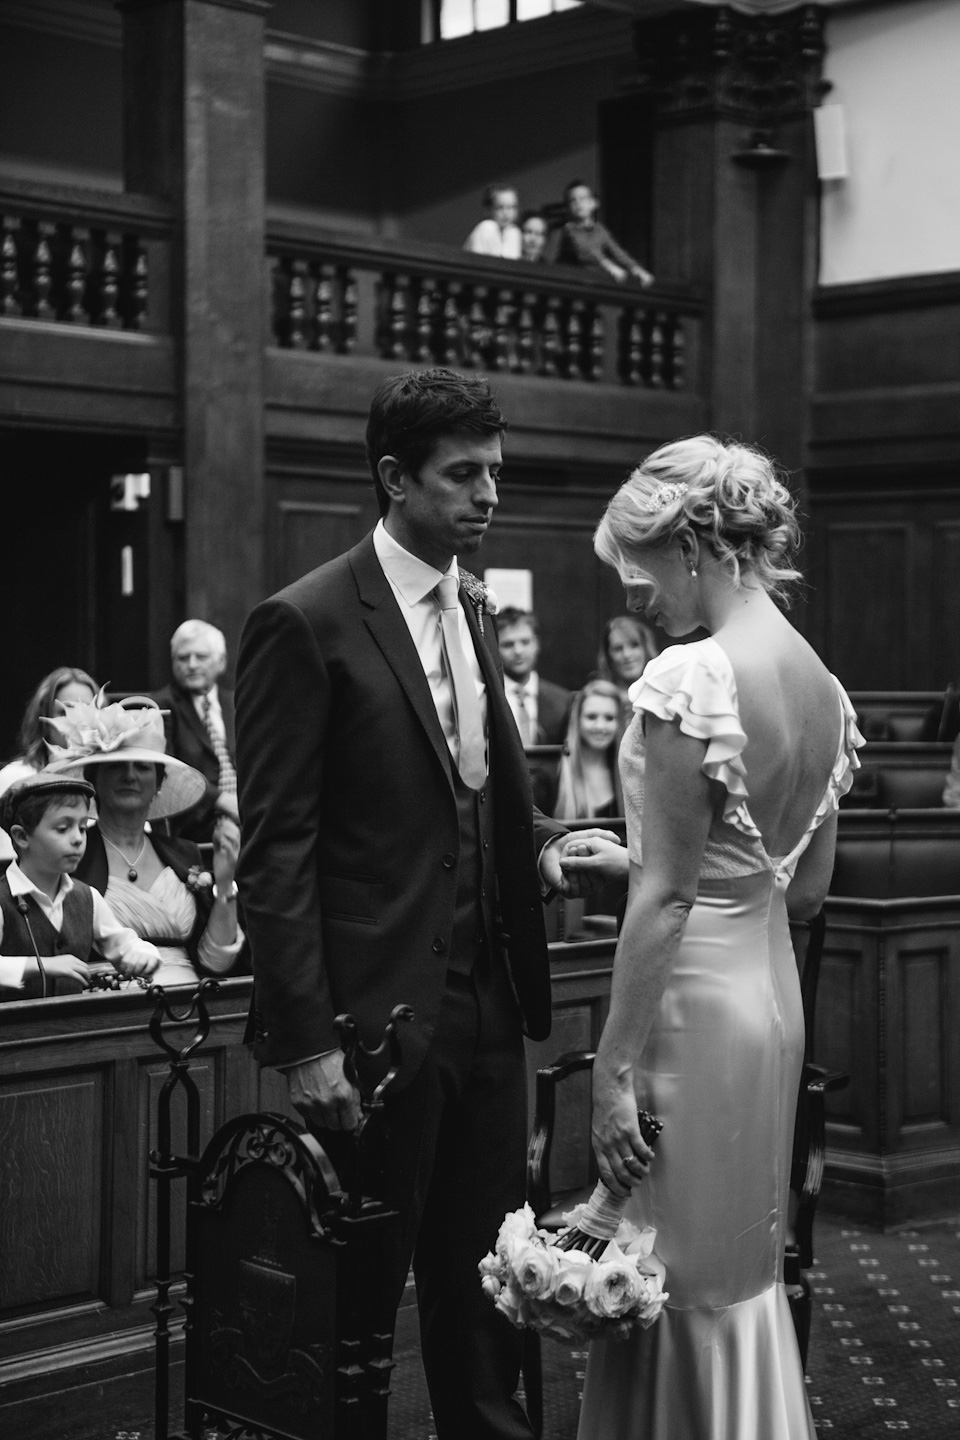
(806, 1175)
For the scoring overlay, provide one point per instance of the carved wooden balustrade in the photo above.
(341, 295)
(83, 257)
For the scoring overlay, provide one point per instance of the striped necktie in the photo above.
(472, 760)
(228, 776)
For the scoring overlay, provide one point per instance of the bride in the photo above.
(740, 747)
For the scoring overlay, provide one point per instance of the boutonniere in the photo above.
(481, 597)
(198, 879)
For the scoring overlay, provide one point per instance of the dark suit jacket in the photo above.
(348, 868)
(188, 740)
(553, 711)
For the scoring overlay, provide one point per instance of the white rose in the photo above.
(491, 1286)
(509, 1303)
(573, 1267)
(518, 1225)
(535, 1268)
(613, 1287)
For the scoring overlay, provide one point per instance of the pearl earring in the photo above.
(693, 573)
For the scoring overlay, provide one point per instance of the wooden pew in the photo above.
(893, 714)
(900, 775)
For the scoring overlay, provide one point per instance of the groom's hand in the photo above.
(590, 859)
(323, 1094)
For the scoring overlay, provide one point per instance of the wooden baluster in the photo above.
(78, 266)
(678, 355)
(138, 297)
(593, 344)
(478, 329)
(655, 352)
(451, 323)
(348, 309)
(106, 282)
(43, 307)
(573, 340)
(10, 306)
(503, 343)
(550, 341)
(526, 338)
(426, 307)
(297, 309)
(395, 345)
(324, 321)
(631, 346)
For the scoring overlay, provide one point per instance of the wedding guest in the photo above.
(583, 240)
(533, 236)
(199, 725)
(626, 647)
(49, 921)
(156, 885)
(62, 685)
(539, 707)
(589, 781)
(499, 233)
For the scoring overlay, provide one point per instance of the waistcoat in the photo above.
(475, 904)
(75, 937)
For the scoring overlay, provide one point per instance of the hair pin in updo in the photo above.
(665, 494)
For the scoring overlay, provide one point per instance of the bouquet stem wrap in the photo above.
(602, 1213)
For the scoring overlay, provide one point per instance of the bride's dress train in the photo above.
(722, 1069)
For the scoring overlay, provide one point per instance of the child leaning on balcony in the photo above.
(48, 921)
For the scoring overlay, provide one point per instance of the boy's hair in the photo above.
(493, 190)
(32, 807)
(410, 413)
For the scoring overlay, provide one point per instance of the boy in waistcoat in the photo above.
(49, 922)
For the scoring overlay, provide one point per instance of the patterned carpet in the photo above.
(884, 1352)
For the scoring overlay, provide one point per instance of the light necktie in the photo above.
(472, 762)
(228, 776)
(523, 715)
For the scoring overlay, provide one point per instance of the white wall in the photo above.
(895, 69)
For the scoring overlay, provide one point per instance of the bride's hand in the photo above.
(623, 1156)
(590, 859)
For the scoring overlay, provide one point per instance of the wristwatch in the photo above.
(230, 895)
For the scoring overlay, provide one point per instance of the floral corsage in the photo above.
(565, 1293)
(481, 597)
(199, 880)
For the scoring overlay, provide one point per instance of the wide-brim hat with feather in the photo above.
(128, 730)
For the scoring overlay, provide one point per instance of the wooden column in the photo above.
(194, 133)
(735, 202)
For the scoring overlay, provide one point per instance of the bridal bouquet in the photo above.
(567, 1294)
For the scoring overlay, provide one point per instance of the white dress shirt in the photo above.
(114, 941)
(413, 582)
(531, 689)
(486, 238)
(216, 713)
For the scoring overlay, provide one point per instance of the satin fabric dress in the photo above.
(721, 1067)
(166, 914)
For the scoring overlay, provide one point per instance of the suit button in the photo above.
(483, 796)
(439, 945)
(448, 862)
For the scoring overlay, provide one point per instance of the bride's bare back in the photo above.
(790, 713)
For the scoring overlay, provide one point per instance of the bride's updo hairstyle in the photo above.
(729, 496)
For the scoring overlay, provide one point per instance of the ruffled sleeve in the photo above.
(848, 761)
(695, 686)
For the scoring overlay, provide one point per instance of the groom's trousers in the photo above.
(450, 1157)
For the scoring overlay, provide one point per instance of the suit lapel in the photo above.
(387, 626)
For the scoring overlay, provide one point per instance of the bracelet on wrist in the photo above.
(230, 895)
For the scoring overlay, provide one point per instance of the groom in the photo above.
(391, 853)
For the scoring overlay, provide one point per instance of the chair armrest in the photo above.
(541, 1136)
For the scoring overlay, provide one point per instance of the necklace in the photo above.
(132, 872)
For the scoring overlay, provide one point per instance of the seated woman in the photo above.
(54, 692)
(154, 884)
(626, 647)
(589, 779)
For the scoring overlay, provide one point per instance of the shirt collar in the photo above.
(21, 884)
(530, 685)
(414, 578)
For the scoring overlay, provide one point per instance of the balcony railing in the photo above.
(83, 257)
(338, 295)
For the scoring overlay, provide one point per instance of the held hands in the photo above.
(226, 851)
(623, 1156)
(590, 859)
(322, 1093)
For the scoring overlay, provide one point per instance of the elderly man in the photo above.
(199, 726)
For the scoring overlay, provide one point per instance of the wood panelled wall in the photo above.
(883, 481)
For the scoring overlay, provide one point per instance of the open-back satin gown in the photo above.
(721, 1067)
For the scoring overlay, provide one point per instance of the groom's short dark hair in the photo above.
(409, 413)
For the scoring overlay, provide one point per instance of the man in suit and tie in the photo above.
(391, 854)
(199, 724)
(539, 707)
